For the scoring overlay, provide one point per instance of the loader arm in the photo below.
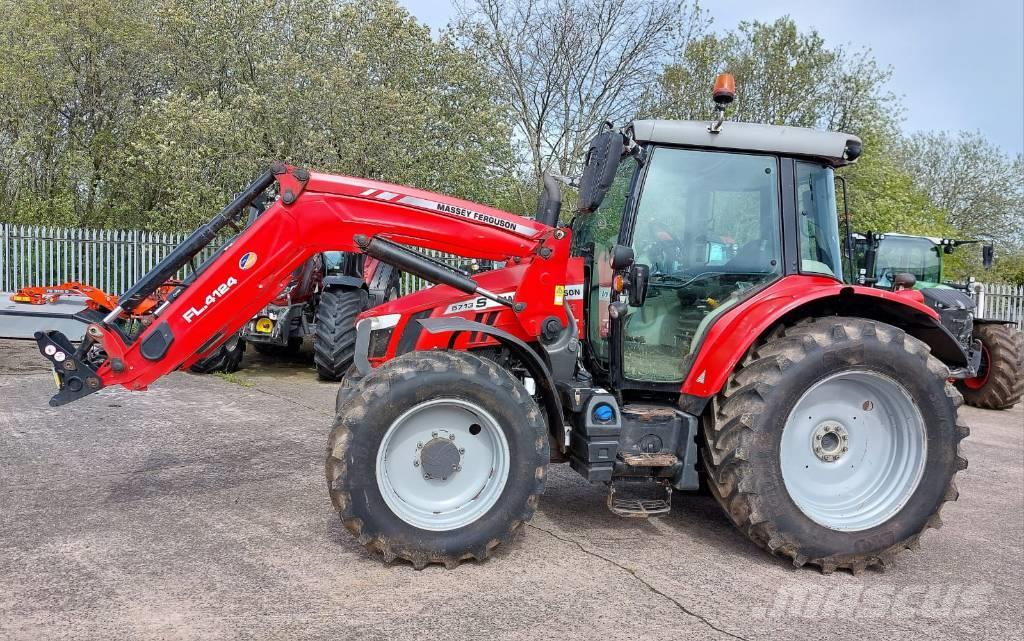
(315, 213)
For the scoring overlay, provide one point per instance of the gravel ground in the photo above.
(198, 509)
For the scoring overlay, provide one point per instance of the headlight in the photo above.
(381, 328)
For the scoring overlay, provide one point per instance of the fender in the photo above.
(799, 296)
(530, 359)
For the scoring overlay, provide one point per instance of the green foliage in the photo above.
(783, 77)
(152, 113)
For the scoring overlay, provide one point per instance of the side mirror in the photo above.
(638, 276)
(622, 257)
(549, 205)
(988, 255)
(600, 165)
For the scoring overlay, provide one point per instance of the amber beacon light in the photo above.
(723, 94)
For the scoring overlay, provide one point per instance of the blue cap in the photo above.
(604, 412)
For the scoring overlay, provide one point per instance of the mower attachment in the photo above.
(74, 377)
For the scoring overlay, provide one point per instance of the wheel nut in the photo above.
(451, 437)
(419, 446)
(415, 463)
(426, 476)
(433, 434)
(458, 468)
(817, 437)
(462, 450)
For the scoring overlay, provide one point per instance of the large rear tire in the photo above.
(227, 358)
(999, 384)
(437, 457)
(335, 339)
(835, 443)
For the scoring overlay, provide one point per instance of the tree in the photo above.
(152, 113)
(566, 66)
(783, 77)
(980, 187)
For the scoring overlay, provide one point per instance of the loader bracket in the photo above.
(75, 377)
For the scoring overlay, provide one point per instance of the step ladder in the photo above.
(639, 499)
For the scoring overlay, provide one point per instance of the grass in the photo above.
(233, 378)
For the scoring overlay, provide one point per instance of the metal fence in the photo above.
(110, 259)
(107, 258)
(114, 259)
(1002, 302)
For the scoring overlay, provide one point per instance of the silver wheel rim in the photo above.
(853, 450)
(442, 464)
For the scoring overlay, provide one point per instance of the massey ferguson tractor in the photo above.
(687, 322)
(995, 348)
(322, 300)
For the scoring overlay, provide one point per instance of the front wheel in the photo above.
(836, 443)
(437, 457)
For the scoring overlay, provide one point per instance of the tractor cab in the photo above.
(689, 220)
(882, 257)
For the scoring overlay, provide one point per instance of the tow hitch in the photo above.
(75, 378)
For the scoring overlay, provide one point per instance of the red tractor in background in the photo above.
(689, 325)
(322, 300)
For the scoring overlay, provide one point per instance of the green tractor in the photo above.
(993, 379)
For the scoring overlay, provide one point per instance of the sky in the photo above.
(956, 65)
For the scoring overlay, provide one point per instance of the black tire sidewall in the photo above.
(928, 392)
(368, 504)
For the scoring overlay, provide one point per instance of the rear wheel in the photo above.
(999, 384)
(335, 339)
(437, 457)
(835, 443)
(227, 358)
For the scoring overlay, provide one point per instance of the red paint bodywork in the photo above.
(731, 335)
(327, 212)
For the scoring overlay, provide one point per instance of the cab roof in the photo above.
(831, 147)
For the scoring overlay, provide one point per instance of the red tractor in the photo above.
(689, 324)
(322, 300)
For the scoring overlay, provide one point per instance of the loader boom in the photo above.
(315, 213)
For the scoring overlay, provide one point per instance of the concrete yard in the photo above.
(199, 509)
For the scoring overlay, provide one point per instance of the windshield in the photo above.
(819, 226)
(906, 254)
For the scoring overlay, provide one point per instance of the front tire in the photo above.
(999, 384)
(426, 415)
(835, 443)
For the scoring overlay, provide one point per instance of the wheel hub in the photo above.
(439, 458)
(853, 450)
(438, 478)
(830, 441)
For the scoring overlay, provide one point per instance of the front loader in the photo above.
(688, 322)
